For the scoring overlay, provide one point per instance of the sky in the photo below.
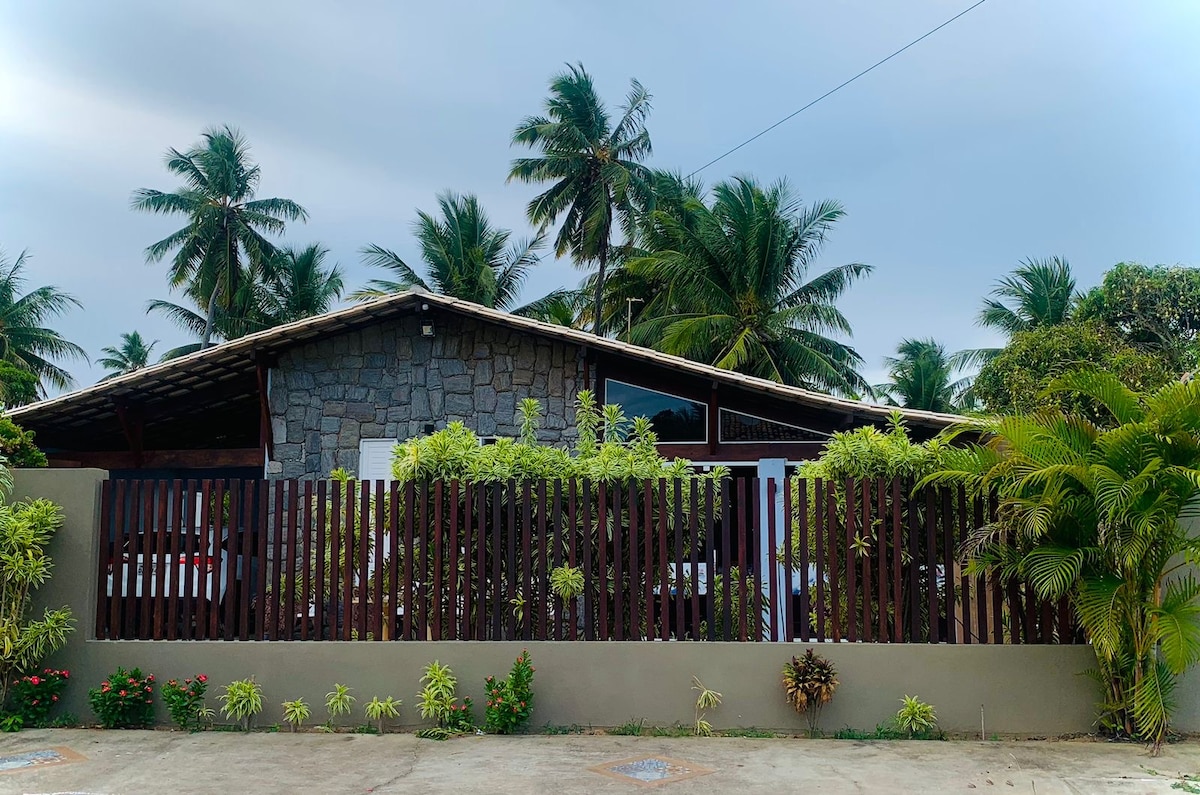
(1025, 129)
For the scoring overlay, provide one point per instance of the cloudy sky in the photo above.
(1027, 128)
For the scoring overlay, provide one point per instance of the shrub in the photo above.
(242, 700)
(915, 716)
(25, 530)
(510, 701)
(185, 702)
(17, 446)
(388, 709)
(439, 703)
(33, 697)
(705, 700)
(296, 712)
(810, 682)
(124, 700)
(338, 702)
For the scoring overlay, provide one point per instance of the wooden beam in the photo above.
(714, 425)
(266, 435)
(158, 459)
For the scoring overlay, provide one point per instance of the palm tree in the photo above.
(1092, 512)
(465, 257)
(25, 342)
(223, 248)
(294, 285)
(1037, 294)
(564, 307)
(132, 354)
(594, 165)
(735, 288)
(922, 377)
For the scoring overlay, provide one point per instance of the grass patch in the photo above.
(557, 729)
(365, 729)
(631, 728)
(750, 732)
(677, 730)
(886, 732)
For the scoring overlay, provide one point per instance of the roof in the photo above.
(236, 359)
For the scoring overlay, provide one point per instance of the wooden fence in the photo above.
(691, 559)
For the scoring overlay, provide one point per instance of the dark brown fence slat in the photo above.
(438, 558)
(647, 553)
(982, 620)
(498, 591)
(410, 518)
(361, 533)
(379, 614)
(348, 560)
(897, 562)
(678, 536)
(421, 573)
(146, 601)
(573, 558)
(948, 578)
(210, 542)
(556, 548)
(882, 635)
(635, 570)
(590, 584)
(513, 573)
(752, 558)
(801, 507)
(309, 598)
(248, 531)
(865, 529)
(260, 532)
(1047, 622)
(288, 627)
(726, 569)
(321, 587)
(915, 534)
(618, 558)
(602, 554)
(964, 580)
(772, 557)
(832, 531)
(180, 570)
(481, 561)
(851, 562)
(664, 588)
(741, 559)
(543, 545)
(525, 621)
(819, 545)
(160, 563)
(272, 610)
(694, 555)
(336, 609)
(463, 625)
(710, 557)
(931, 566)
(197, 563)
(130, 560)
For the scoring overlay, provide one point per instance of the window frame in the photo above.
(701, 404)
(721, 439)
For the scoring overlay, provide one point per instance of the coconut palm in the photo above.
(921, 376)
(595, 167)
(25, 342)
(465, 257)
(294, 285)
(736, 292)
(132, 354)
(1092, 512)
(564, 307)
(1038, 293)
(223, 249)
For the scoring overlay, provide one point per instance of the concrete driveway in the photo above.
(153, 762)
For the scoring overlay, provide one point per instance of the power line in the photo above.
(838, 88)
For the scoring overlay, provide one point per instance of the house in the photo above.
(339, 389)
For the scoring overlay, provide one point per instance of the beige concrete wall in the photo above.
(1023, 689)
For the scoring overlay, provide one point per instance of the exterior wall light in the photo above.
(426, 328)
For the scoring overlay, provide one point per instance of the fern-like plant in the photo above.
(437, 696)
(296, 712)
(915, 716)
(241, 700)
(338, 702)
(810, 682)
(379, 711)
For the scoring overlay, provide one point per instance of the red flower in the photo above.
(35, 681)
(201, 678)
(66, 674)
(132, 681)
(149, 701)
(35, 701)
(54, 698)
(121, 693)
(150, 678)
(522, 703)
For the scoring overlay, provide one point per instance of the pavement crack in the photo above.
(412, 765)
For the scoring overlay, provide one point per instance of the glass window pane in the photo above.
(675, 419)
(737, 427)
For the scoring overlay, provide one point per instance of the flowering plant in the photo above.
(34, 696)
(185, 702)
(459, 718)
(124, 700)
(510, 701)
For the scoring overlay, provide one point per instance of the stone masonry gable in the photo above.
(387, 381)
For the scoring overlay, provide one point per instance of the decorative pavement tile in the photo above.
(44, 758)
(650, 771)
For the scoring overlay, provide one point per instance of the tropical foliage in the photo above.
(222, 251)
(1015, 380)
(17, 447)
(736, 292)
(132, 354)
(921, 376)
(1092, 511)
(465, 257)
(25, 341)
(594, 165)
(1037, 294)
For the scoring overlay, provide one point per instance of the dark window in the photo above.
(737, 427)
(675, 419)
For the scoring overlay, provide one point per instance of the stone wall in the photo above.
(387, 381)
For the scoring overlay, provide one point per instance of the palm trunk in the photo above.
(211, 319)
(598, 304)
